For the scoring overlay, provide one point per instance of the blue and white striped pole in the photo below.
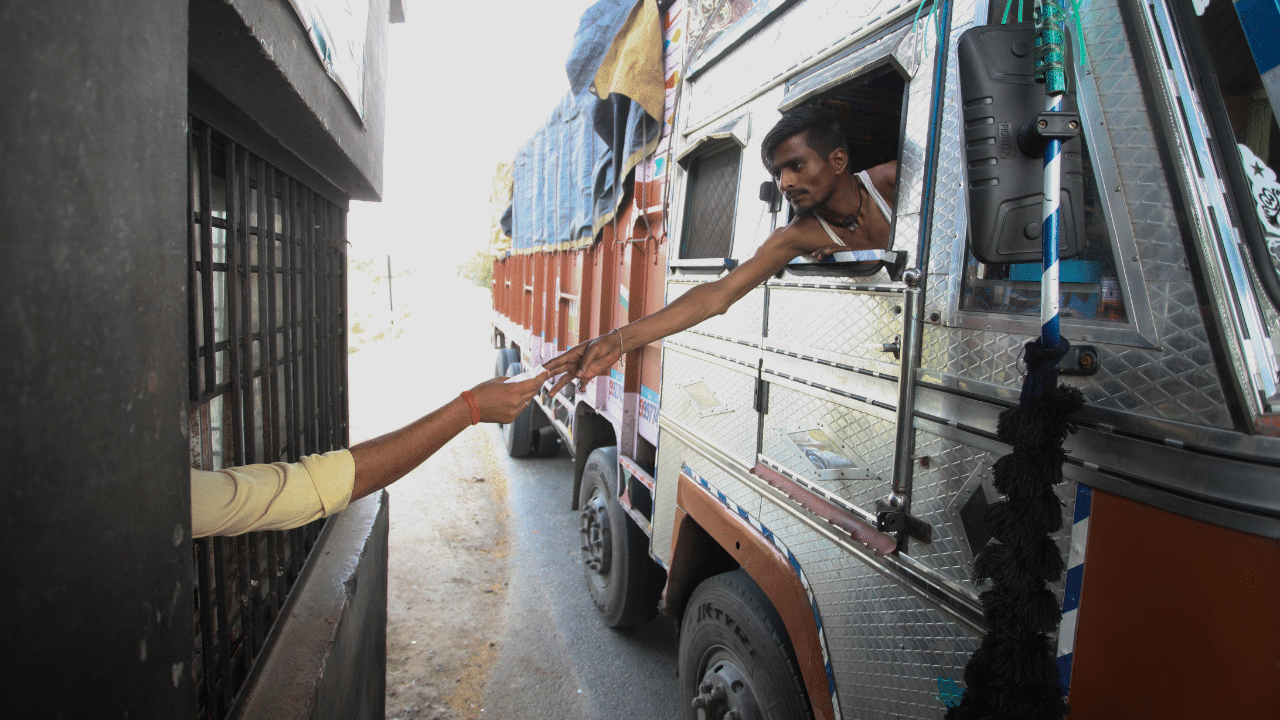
(1051, 70)
(1050, 333)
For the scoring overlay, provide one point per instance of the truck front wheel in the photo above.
(519, 434)
(735, 659)
(624, 582)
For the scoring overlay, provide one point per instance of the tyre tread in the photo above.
(738, 584)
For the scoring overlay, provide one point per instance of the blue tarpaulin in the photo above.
(551, 206)
(567, 175)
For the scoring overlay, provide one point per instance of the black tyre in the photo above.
(506, 356)
(735, 656)
(623, 580)
(519, 433)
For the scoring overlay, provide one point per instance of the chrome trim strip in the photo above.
(1187, 479)
(871, 289)
(1199, 438)
(736, 364)
(866, 57)
(1218, 241)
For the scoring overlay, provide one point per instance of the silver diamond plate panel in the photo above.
(675, 452)
(911, 157)
(950, 464)
(888, 648)
(810, 29)
(733, 432)
(1177, 381)
(950, 217)
(743, 321)
(843, 326)
(871, 436)
(670, 454)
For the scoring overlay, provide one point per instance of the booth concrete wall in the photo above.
(94, 506)
(94, 495)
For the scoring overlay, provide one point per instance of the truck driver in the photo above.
(836, 210)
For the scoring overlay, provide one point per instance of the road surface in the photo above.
(488, 614)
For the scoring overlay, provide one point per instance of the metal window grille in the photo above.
(267, 359)
(713, 194)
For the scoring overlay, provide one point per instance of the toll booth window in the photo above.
(713, 194)
(266, 361)
(1089, 284)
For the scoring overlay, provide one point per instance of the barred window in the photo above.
(712, 197)
(267, 360)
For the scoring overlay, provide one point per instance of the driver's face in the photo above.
(806, 178)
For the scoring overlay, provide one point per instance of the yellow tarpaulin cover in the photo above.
(633, 64)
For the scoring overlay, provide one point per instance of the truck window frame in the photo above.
(725, 139)
(887, 52)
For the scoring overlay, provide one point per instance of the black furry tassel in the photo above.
(1013, 675)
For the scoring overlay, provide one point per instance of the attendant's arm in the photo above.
(595, 357)
(383, 460)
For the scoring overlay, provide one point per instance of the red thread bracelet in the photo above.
(474, 406)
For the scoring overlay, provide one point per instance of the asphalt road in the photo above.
(460, 642)
(558, 659)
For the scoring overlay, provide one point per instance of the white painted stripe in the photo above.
(1067, 633)
(1079, 540)
(1048, 296)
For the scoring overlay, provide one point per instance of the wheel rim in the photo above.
(725, 691)
(597, 536)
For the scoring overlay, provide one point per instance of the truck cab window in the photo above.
(870, 114)
(869, 109)
(712, 198)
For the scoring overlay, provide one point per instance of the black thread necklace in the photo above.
(851, 221)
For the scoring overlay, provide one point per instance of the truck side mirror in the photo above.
(770, 193)
(1006, 175)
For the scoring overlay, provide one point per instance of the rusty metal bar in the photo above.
(344, 439)
(223, 646)
(308, 328)
(250, 636)
(287, 294)
(193, 278)
(204, 150)
(266, 223)
(324, 253)
(238, 214)
(204, 577)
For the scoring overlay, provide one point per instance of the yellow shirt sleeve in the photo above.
(270, 497)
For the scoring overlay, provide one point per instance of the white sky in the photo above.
(468, 83)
